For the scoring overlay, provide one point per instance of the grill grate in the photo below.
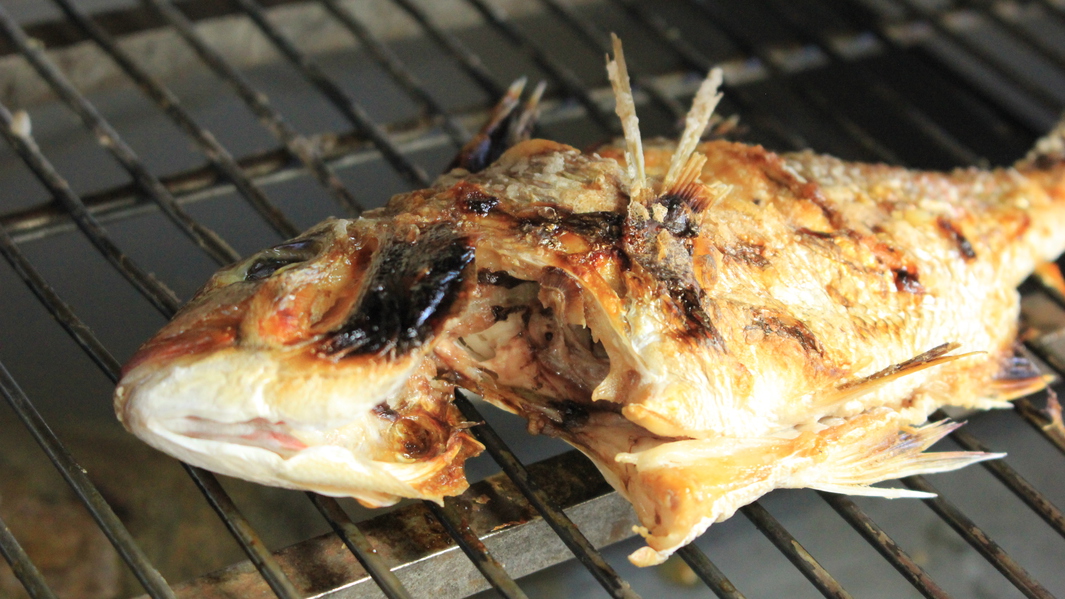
(777, 54)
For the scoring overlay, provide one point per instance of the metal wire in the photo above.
(78, 479)
(21, 565)
(360, 546)
(559, 522)
(474, 549)
(171, 106)
(887, 547)
(708, 572)
(298, 145)
(398, 71)
(979, 540)
(206, 239)
(796, 554)
(340, 99)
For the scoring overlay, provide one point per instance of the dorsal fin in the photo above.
(625, 108)
(695, 123)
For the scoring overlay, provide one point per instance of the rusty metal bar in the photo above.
(171, 106)
(1020, 487)
(205, 239)
(474, 549)
(979, 540)
(21, 565)
(359, 546)
(709, 572)
(796, 554)
(340, 99)
(298, 145)
(884, 544)
(560, 523)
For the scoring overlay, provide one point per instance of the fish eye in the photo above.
(271, 260)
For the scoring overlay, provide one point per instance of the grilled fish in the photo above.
(706, 321)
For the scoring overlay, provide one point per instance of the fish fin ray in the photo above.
(861, 386)
(500, 132)
(618, 73)
(867, 455)
(703, 105)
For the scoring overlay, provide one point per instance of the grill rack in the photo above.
(1027, 116)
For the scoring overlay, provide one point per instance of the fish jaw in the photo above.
(344, 430)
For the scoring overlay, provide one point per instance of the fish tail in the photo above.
(881, 451)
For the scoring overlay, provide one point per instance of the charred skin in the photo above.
(756, 321)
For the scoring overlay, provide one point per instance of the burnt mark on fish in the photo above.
(680, 215)
(954, 234)
(906, 280)
(498, 278)
(773, 323)
(410, 290)
(597, 227)
(471, 198)
(500, 313)
(698, 324)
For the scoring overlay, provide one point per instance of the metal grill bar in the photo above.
(77, 478)
(561, 75)
(474, 549)
(860, 17)
(155, 292)
(560, 523)
(206, 239)
(1024, 490)
(808, 93)
(887, 547)
(1035, 43)
(359, 546)
(171, 105)
(708, 572)
(597, 38)
(945, 140)
(796, 554)
(21, 566)
(1032, 415)
(979, 540)
(700, 63)
(298, 145)
(398, 71)
(934, 19)
(691, 555)
(469, 61)
(337, 96)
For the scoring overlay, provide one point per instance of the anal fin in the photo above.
(871, 448)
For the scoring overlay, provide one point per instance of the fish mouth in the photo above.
(261, 433)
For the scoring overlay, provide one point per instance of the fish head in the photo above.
(305, 366)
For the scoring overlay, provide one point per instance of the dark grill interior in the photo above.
(162, 139)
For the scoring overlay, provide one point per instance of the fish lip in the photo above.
(257, 432)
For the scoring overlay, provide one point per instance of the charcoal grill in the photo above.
(923, 83)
